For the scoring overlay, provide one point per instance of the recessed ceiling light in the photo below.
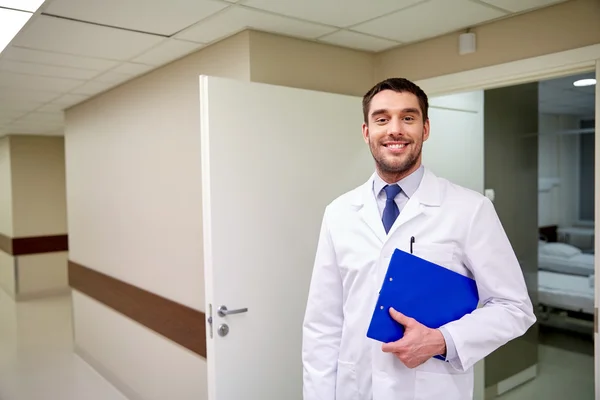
(23, 5)
(11, 22)
(584, 82)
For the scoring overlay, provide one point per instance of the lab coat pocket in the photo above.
(439, 253)
(346, 387)
(434, 385)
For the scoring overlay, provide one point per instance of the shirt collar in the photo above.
(408, 184)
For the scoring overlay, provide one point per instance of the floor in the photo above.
(36, 357)
(566, 369)
(37, 362)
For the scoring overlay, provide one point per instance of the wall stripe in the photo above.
(21, 246)
(179, 323)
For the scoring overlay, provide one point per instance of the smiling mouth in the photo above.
(396, 146)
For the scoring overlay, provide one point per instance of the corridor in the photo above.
(36, 357)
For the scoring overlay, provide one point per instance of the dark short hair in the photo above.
(397, 85)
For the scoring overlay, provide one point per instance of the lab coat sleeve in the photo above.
(322, 328)
(505, 311)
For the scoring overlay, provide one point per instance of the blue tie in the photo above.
(390, 212)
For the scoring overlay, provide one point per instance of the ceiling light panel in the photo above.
(11, 22)
(23, 5)
(159, 17)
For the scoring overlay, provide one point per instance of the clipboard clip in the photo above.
(412, 240)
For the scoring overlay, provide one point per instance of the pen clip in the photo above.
(412, 240)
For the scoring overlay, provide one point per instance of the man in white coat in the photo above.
(452, 226)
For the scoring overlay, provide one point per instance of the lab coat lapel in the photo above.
(369, 212)
(427, 195)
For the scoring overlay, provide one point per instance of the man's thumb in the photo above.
(400, 318)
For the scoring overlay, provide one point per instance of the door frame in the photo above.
(555, 65)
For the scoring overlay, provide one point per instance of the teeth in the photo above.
(396, 146)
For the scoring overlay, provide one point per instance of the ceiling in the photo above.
(559, 96)
(72, 50)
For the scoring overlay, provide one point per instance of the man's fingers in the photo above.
(392, 347)
(400, 318)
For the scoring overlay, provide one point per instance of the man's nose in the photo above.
(395, 126)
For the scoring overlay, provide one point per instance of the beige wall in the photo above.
(32, 203)
(6, 221)
(565, 26)
(7, 268)
(38, 189)
(135, 213)
(133, 175)
(298, 63)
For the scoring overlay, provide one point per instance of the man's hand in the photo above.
(418, 344)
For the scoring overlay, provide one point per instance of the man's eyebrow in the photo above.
(409, 110)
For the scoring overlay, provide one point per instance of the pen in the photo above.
(412, 240)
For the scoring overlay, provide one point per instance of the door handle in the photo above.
(223, 311)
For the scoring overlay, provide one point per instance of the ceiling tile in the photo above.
(33, 82)
(235, 19)
(521, 5)
(51, 107)
(167, 51)
(92, 88)
(160, 17)
(70, 99)
(35, 96)
(358, 41)
(46, 70)
(114, 78)
(10, 114)
(132, 68)
(341, 13)
(62, 60)
(429, 19)
(78, 38)
(44, 118)
(19, 105)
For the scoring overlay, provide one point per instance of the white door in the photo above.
(272, 158)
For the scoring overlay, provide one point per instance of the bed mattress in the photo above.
(580, 264)
(569, 292)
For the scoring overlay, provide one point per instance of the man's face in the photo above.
(395, 132)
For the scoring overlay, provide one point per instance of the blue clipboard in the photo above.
(429, 293)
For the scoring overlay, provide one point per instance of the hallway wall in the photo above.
(135, 225)
(7, 270)
(33, 225)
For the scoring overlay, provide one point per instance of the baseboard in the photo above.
(43, 294)
(513, 382)
(121, 386)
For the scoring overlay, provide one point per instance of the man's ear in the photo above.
(365, 132)
(426, 127)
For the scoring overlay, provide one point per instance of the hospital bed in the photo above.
(565, 284)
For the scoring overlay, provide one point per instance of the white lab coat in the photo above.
(454, 227)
